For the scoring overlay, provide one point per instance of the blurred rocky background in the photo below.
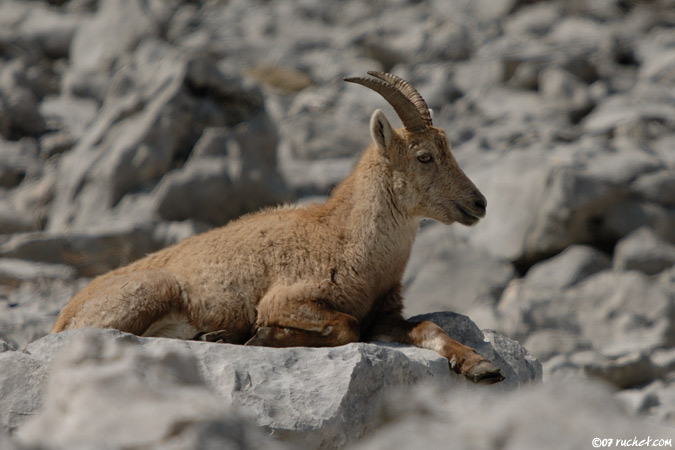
(128, 125)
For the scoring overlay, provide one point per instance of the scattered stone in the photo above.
(654, 401)
(645, 251)
(664, 360)
(625, 372)
(228, 174)
(16, 271)
(284, 79)
(568, 268)
(546, 344)
(90, 253)
(624, 313)
(427, 418)
(16, 159)
(613, 313)
(503, 233)
(444, 273)
(28, 311)
(658, 187)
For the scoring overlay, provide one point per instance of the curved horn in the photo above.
(404, 106)
(408, 90)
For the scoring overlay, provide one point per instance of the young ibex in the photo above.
(321, 275)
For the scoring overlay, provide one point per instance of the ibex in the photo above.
(320, 275)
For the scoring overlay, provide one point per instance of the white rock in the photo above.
(444, 273)
(91, 252)
(105, 393)
(22, 383)
(625, 312)
(315, 397)
(545, 416)
(658, 187)
(16, 271)
(571, 266)
(645, 251)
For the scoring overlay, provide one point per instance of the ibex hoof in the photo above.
(219, 336)
(261, 337)
(484, 372)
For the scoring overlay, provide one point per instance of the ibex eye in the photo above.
(425, 158)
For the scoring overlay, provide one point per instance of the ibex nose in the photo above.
(481, 202)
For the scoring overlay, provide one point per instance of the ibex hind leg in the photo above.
(145, 303)
(294, 316)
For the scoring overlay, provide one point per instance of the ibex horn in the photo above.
(406, 101)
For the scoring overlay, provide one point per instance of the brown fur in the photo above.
(321, 275)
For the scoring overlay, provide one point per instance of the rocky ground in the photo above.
(128, 126)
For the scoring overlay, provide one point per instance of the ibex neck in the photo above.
(380, 233)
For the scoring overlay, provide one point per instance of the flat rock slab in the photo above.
(317, 397)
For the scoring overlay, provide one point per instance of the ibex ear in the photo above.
(381, 131)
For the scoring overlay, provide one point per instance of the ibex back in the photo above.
(321, 275)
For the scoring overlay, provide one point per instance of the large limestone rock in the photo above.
(22, 385)
(109, 393)
(315, 397)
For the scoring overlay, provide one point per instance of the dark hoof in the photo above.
(261, 337)
(484, 372)
(219, 336)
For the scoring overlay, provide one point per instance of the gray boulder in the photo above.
(25, 206)
(645, 251)
(90, 252)
(16, 160)
(445, 273)
(51, 30)
(22, 383)
(655, 400)
(28, 310)
(322, 132)
(16, 271)
(622, 313)
(101, 40)
(615, 314)
(529, 419)
(625, 372)
(19, 105)
(508, 188)
(109, 393)
(631, 113)
(568, 268)
(229, 172)
(13, 220)
(315, 397)
(155, 111)
(658, 187)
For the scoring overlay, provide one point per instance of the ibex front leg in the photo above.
(294, 316)
(463, 359)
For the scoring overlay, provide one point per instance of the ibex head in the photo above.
(427, 181)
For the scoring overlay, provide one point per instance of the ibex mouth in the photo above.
(467, 217)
